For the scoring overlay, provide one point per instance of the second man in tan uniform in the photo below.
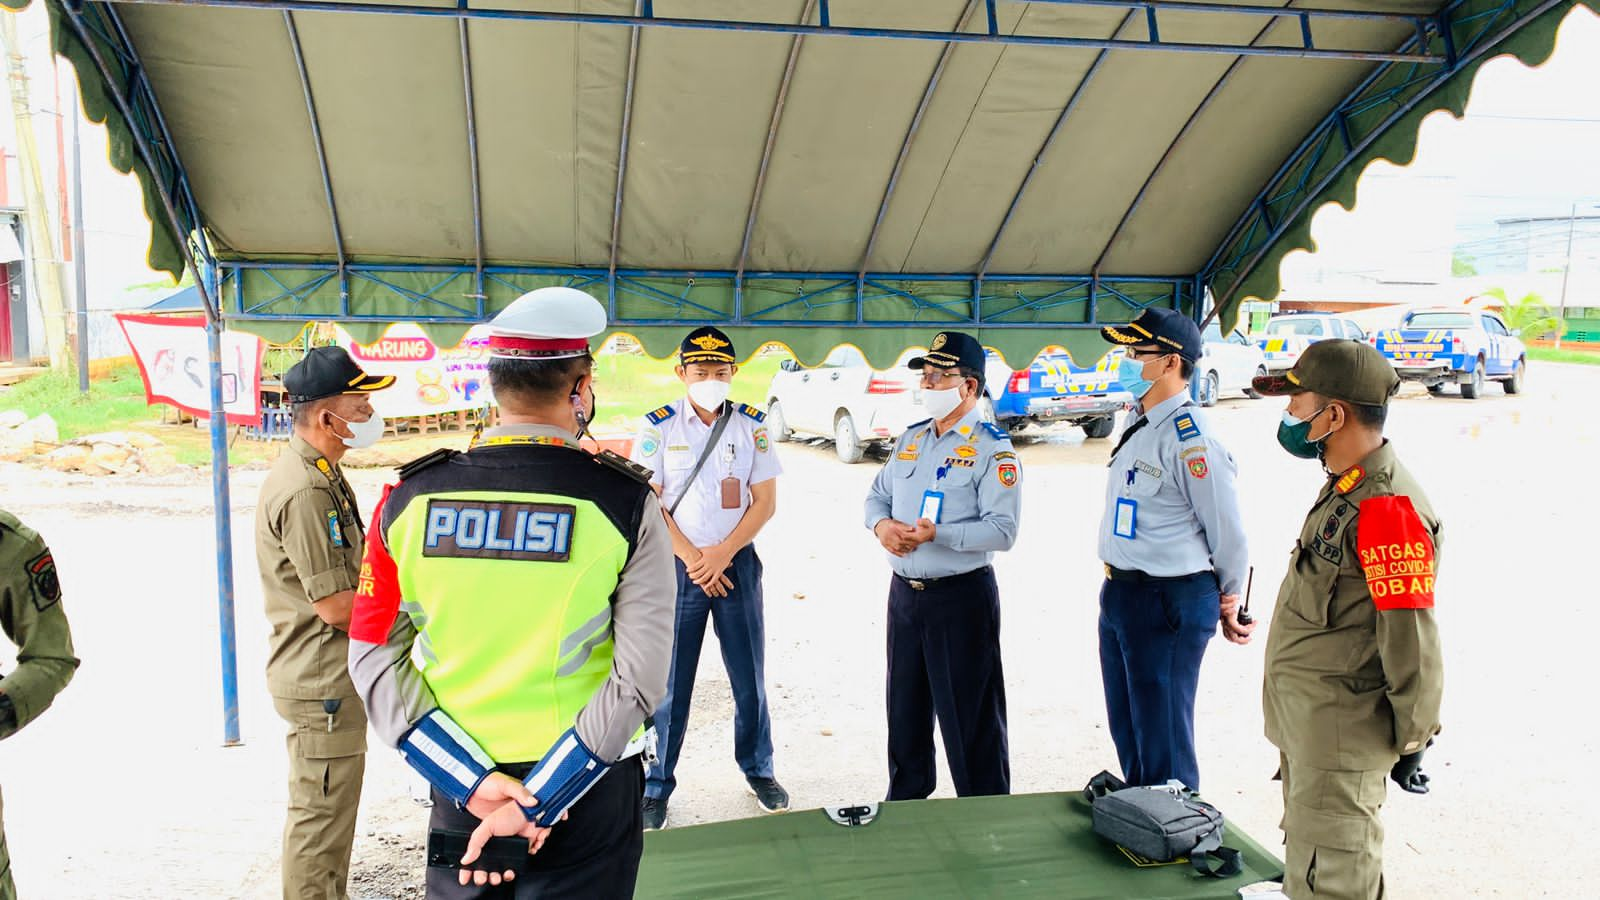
(309, 539)
(1353, 666)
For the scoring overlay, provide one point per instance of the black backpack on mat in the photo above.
(1161, 823)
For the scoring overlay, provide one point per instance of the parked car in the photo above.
(845, 399)
(1054, 389)
(1227, 365)
(1437, 347)
(1287, 335)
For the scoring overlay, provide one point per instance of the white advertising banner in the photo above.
(428, 379)
(175, 365)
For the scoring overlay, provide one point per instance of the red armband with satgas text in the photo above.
(378, 587)
(1397, 554)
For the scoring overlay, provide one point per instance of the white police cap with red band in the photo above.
(548, 323)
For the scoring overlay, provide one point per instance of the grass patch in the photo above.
(626, 387)
(1546, 354)
(113, 402)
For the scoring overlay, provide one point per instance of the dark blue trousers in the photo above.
(944, 660)
(1153, 635)
(740, 626)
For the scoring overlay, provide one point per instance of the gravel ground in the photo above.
(123, 789)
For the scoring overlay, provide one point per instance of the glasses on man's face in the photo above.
(931, 378)
(1148, 354)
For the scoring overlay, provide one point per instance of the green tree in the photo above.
(1530, 315)
(1462, 265)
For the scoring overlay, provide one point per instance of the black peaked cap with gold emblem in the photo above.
(950, 349)
(706, 345)
(1168, 329)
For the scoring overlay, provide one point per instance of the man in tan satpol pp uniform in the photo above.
(1353, 667)
(31, 616)
(309, 537)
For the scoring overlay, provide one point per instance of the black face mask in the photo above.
(577, 410)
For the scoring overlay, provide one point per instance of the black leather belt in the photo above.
(923, 584)
(1115, 574)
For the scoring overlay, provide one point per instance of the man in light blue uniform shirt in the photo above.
(1174, 551)
(946, 500)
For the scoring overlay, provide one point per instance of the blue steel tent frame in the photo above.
(1463, 32)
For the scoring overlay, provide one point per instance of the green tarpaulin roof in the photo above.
(1157, 158)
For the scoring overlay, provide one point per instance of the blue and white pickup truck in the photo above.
(1055, 389)
(1454, 346)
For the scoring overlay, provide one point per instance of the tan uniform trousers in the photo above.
(325, 772)
(8, 890)
(1333, 837)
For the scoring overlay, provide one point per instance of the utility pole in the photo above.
(1566, 273)
(80, 283)
(41, 241)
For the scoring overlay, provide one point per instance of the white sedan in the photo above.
(1227, 364)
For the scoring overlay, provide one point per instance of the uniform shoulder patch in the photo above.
(627, 467)
(1187, 428)
(995, 431)
(1350, 479)
(1003, 455)
(751, 412)
(443, 454)
(42, 577)
(660, 415)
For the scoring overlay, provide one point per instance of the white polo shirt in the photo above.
(670, 441)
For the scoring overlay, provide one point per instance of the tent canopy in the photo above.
(814, 172)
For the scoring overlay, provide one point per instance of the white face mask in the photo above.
(941, 403)
(362, 434)
(709, 395)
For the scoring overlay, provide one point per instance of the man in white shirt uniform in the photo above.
(716, 471)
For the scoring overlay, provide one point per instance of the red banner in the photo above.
(174, 362)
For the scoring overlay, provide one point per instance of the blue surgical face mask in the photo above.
(1130, 377)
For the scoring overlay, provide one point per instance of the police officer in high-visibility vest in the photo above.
(1354, 673)
(947, 499)
(717, 472)
(1174, 550)
(514, 619)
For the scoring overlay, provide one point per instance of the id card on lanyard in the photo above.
(1125, 521)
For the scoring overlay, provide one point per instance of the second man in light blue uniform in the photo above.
(1174, 551)
(948, 498)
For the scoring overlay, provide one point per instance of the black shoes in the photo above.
(655, 813)
(769, 794)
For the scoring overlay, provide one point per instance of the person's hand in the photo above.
(1408, 772)
(923, 531)
(894, 536)
(1230, 603)
(1232, 629)
(494, 791)
(713, 561)
(717, 586)
(506, 821)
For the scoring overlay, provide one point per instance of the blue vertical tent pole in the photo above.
(227, 632)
